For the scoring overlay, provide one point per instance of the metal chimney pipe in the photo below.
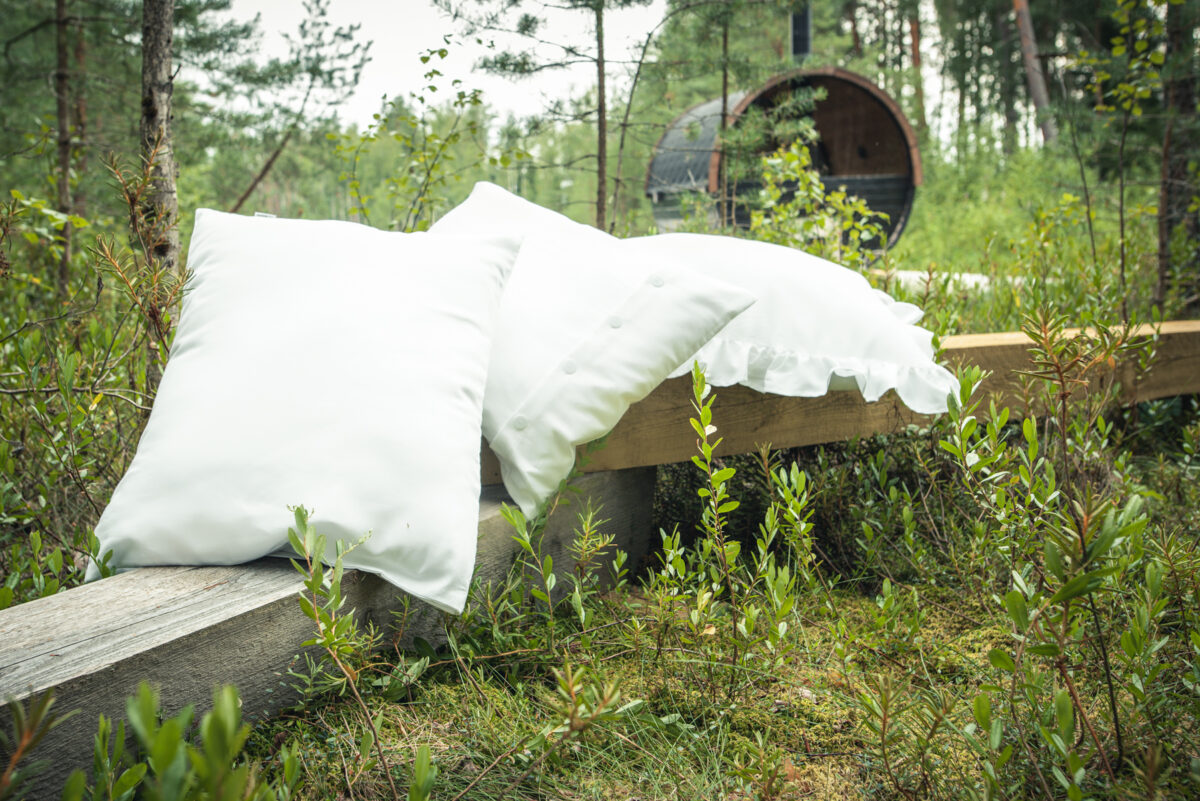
(801, 33)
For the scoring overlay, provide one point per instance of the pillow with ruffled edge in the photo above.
(587, 326)
(816, 326)
(325, 364)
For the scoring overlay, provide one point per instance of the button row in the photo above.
(520, 423)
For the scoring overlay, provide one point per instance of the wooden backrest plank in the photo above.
(656, 431)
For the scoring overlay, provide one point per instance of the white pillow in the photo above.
(817, 326)
(588, 325)
(324, 364)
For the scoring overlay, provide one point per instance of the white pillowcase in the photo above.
(324, 364)
(817, 326)
(588, 325)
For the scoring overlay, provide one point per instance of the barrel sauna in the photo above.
(866, 146)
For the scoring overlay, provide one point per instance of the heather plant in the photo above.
(79, 375)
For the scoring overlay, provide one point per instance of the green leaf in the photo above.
(76, 784)
(1001, 660)
(129, 779)
(1048, 649)
(723, 475)
(1064, 713)
(365, 744)
(982, 708)
(1054, 560)
(1018, 610)
(306, 606)
(424, 649)
(1080, 585)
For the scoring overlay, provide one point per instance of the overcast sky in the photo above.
(402, 29)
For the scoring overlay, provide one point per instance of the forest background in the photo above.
(72, 91)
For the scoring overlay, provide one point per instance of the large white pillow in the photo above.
(324, 364)
(817, 326)
(588, 325)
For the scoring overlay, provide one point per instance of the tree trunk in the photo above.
(914, 29)
(1033, 72)
(852, 13)
(601, 122)
(62, 111)
(1007, 84)
(724, 206)
(1181, 141)
(79, 86)
(160, 208)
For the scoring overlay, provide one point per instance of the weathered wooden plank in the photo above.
(1175, 371)
(187, 630)
(656, 431)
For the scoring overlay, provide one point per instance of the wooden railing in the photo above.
(188, 629)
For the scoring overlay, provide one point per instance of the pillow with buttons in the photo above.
(816, 327)
(587, 326)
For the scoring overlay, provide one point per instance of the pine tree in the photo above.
(528, 21)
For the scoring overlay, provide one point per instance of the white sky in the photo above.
(402, 29)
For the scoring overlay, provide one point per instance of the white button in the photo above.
(569, 368)
(614, 321)
(657, 280)
(519, 423)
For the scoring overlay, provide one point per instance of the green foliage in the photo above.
(1001, 604)
(29, 726)
(797, 210)
(78, 378)
(417, 150)
(167, 767)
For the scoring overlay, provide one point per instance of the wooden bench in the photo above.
(188, 629)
